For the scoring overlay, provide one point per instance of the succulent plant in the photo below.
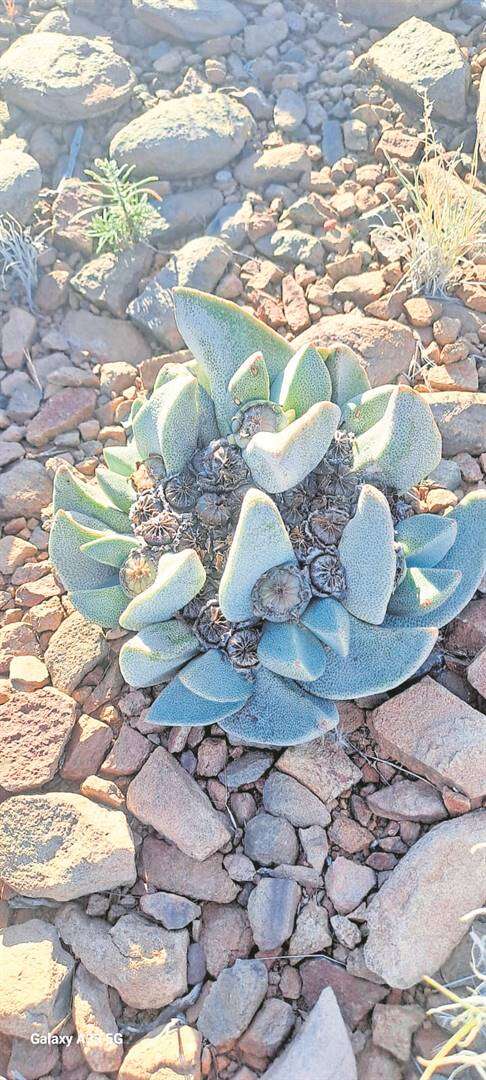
(258, 536)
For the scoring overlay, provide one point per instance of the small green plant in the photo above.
(18, 256)
(442, 226)
(124, 215)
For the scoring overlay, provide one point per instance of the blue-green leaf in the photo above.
(111, 549)
(348, 376)
(71, 493)
(157, 652)
(426, 538)
(212, 676)
(280, 713)
(75, 568)
(423, 589)
(260, 542)
(118, 489)
(365, 410)
(304, 381)
(102, 606)
(329, 621)
(292, 651)
(179, 577)
(367, 552)
(121, 459)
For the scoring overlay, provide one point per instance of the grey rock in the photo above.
(231, 223)
(332, 142)
(418, 58)
(146, 964)
(285, 797)
(169, 869)
(321, 766)
(290, 109)
(322, 1048)
(446, 475)
(272, 907)
(274, 165)
(461, 419)
(256, 102)
(20, 183)
(111, 280)
(174, 912)
(291, 246)
(35, 979)
(311, 934)
(63, 846)
(225, 936)
(408, 800)
(481, 118)
(185, 212)
(376, 13)
(165, 796)
(24, 490)
(347, 883)
(104, 338)
(270, 840)
(233, 1001)
(185, 136)
(194, 21)
(56, 75)
(414, 921)
(74, 649)
(199, 264)
(263, 34)
(268, 1030)
(246, 769)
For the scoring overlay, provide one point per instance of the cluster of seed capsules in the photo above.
(199, 508)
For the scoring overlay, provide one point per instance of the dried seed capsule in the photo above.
(281, 593)
(211, 626)
(327, 575)
(257, 416)
(138, 572)
(145, 508)
(181, 491)
(242, 647)
(341, 449)
(160, 530)
(212, 510)
(325, 526)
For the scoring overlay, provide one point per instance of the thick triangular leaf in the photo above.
(280, 460)
(467, 554)
(178, 706)
(71, 493)
(348, 376)
(121, 459)
(423, 589)
(117, 489)
(260, 542)
(75, 568)
(405, 445)
(365, 410)
(251, 381)
(179, 577)
(168, 423)
(212, 676)
(102, 606)
(221, 336)
(367, 552)
(304, 381)
(329, 621)
(156, 652)
(280, 713)
(111, 549)
(426, 538)
(379, 658)
(291, 651)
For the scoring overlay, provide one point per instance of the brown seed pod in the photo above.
(325, 526)
(242, 647)
(281, 593)
(211, 626)
(138, 572)
(327, 575)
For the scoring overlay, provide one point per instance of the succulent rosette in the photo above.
(258, 536)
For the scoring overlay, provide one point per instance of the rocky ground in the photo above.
(175, 905)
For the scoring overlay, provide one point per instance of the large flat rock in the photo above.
(416, 59)
(106, 339)
(64, 77)
(461, 419)
(191, 20)
(20, 183)
(34, 729)
(385, 348)
(414, 920)
(144, 962)
(165, 796)
(62, 846)
(434, 733)
(25, 489)
(185, 136)
(378, 13)
(322, 1048)
(35, 979)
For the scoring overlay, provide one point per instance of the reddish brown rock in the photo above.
(87, 747)
(347, 884)
(225, 936)
(169, 869)
(16, 639)
(62, 412)
(433, 732)
(476, 673)
(295, 305)
(468, 632)
(386, 348)
(361, 289)
(356, 997)
(127, 755)
(168, 1051)
(321, 766)
(408, 800)
(34, 729)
